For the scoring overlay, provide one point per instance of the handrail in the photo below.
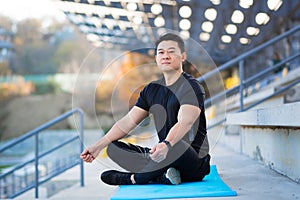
(247, 54)
(279, 91)
(19, 166)
(251, 79)
(247, 82)
(35, 132)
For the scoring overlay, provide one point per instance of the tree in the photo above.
(6, 23)
(68, 56)
(29, 30)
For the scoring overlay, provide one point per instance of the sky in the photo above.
(22, 9)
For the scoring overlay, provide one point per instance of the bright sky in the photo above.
(20, 9)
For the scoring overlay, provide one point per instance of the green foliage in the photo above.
(2, 167)
(48, 87)
(66, 52)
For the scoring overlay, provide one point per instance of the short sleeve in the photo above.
(193, 95)
(142, 100)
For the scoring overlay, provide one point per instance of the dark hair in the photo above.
(173, 37)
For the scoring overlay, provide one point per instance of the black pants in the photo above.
(136, 159)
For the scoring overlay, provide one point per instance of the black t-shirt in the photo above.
(164, 102)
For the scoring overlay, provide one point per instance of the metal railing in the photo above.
(11, 187)
(244, 83)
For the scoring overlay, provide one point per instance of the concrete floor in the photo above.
(247, 177)
(250, 179)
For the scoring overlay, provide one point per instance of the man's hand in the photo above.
(159, 152)
(89, 154)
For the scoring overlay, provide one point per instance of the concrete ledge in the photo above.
(286, 115)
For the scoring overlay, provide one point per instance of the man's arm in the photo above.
(187, 115)
(118, 131)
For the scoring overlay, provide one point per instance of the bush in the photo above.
(50, 86)
(18, 87)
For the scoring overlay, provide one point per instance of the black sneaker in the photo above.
(113, 177)
(170, 177)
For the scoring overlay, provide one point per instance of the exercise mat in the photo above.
(211, 186)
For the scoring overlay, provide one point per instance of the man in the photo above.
(176, 102)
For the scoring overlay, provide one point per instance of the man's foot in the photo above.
(170, 177)
(173, 175)
(113, 177)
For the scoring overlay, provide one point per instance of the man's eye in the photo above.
(160, 52)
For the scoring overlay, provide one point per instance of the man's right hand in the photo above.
(89, 154)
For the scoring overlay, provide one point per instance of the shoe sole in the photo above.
(174, 176)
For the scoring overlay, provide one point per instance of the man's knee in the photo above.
(111, 149)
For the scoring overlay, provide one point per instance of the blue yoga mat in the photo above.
(211, 186)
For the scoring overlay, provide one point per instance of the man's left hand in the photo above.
(159, 152)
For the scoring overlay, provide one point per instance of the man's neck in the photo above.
(171, 77)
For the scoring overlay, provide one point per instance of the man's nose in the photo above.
(166, 56)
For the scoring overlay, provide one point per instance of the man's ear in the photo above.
(184, 56)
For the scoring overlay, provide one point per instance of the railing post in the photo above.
(13, 183)
(37, 165)
(1, 188)
(241, 74)
(81, 148)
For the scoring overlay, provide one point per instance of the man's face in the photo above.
(169, 57)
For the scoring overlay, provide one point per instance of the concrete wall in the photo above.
(270, 135)
(278, 148)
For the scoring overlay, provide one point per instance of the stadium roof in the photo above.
(224, 28)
